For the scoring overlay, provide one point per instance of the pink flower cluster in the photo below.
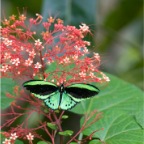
(58, 54)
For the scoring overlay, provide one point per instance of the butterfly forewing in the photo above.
(67, 102)
(81, 91)
(41, 89)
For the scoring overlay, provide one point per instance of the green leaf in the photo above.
(66, 133)
(65, 116)
(73, 143)
(7, 85)
(117, 95)
(120, 103)
(52, 126)
(140, 118)
(118, 128)
(42, 142)
(2, 137)
(94, 142)
(18, 142)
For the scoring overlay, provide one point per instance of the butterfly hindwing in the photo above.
(67, 102)
(80, 91)
(41, 89)
(53, 100)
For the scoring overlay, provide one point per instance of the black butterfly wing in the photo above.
(80, 91)
(40, 88)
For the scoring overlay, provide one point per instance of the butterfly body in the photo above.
(56, 97)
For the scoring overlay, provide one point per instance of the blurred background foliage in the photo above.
(117, 26)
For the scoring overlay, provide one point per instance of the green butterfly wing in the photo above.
(46, 91)
(40, 89)
(80, 91)
(38, 82)
(53, 100)
(67, 102)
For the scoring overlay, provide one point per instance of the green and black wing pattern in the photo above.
(80, 91)
(46, 91)
(76, 93)
(67, 102)
(60, 97)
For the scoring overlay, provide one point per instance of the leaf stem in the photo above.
(80, 138)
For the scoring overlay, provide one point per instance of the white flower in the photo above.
(91, 75)
(75, 57)
(105, 77)
(77, 48)
(7, 141)
(37, 65)
(84, 28)
(7, 56)
(85, 50)
(28, 62)
(30, 137)
(38, 42)
(92, 68)
(66, 60)
(87, 43)
(15, 61)
(4, 68)
(96, 56)
(82, 74)
(32, 53)
(7, 42)
(13, 136)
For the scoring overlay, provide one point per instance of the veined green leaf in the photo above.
(118, 128)
(117, 95)
(120, 103)
(140, 118)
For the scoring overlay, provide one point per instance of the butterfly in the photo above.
(60, 97)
